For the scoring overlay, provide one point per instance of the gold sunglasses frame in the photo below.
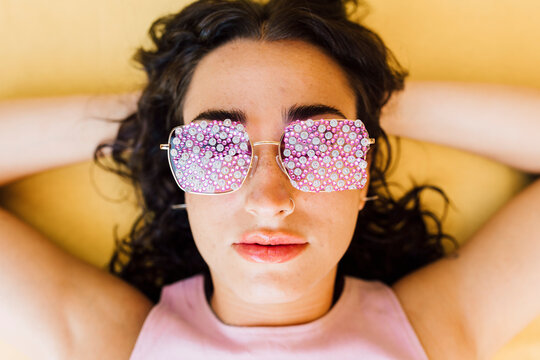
(249, 173)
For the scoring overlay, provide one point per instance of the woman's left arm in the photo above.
(499, 122)
(491, 291)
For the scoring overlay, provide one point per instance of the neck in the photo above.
(312, 305)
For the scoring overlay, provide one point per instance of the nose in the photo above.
(269, 189)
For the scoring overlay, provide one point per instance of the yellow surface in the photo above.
(66, 47)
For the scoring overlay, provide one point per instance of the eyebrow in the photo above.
(295, 112)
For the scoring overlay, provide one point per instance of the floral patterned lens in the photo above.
(326, 155)
(210, 157)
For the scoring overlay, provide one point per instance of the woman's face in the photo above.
(263, 80)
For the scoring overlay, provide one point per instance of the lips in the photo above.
(269, 246)
(271, 238)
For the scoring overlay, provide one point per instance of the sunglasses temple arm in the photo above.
(178, 206)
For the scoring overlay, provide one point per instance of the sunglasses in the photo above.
(215, 157)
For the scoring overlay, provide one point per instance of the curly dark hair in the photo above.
(391, 237)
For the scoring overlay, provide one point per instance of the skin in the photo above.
(262, 79)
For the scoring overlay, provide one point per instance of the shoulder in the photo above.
(60, 307)
(434, 312)
(104, 317)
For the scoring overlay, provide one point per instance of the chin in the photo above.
(272, 287)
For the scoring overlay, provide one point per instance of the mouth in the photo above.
(270, 247)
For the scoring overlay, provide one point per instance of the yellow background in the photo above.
(69, 47)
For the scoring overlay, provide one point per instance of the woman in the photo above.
(266, 68)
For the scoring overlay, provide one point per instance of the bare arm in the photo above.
(492, 290)
(53, 305)
(39, 134)
(496, 121)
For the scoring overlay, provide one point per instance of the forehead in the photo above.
(263, 79)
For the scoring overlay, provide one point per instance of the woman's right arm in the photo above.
(43, 133)
(53, 305)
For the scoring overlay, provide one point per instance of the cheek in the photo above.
(335, 206)
(213, 219)
(205, 220)
(333, 215)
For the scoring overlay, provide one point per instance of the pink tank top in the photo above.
(367, 322)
